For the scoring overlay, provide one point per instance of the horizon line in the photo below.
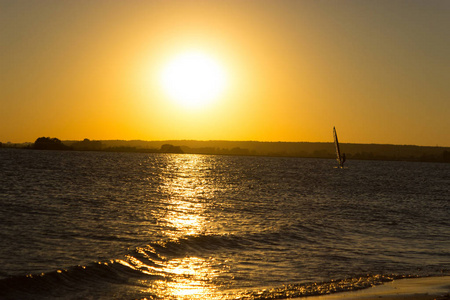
(238, 141)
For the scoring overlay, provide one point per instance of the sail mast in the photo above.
(336, 144)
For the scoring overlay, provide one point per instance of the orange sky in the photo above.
(377, 70)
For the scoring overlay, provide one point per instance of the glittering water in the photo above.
(129, 226)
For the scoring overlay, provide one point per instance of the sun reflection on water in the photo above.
(191, 279)
(187, 189)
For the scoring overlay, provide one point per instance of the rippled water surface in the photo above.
(129, 226)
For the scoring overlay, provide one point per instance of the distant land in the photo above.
(254, 148)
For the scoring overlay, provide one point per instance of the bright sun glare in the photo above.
(193, 79)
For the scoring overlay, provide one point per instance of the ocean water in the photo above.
(96, 225)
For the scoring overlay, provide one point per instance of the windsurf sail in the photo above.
(338, 151)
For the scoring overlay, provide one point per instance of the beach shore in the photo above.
(427, 288)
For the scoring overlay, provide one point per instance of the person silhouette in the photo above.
(343, 160)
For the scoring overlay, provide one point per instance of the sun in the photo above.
(193, 79)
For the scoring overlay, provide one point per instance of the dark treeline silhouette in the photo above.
(46, 143)
(168, 148)
(446, 156)
(87, 145)
(285, 149)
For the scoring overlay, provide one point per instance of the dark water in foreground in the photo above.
(129, 226)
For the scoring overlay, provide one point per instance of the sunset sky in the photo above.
(265, 70)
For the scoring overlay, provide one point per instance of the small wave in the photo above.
(195, 245)
(145, 267)
(146, 263)
(73, 281)
(203, 244)
(103, 281)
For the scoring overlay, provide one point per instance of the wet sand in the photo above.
(428, 288)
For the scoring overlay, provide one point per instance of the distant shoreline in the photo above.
(385, 152)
